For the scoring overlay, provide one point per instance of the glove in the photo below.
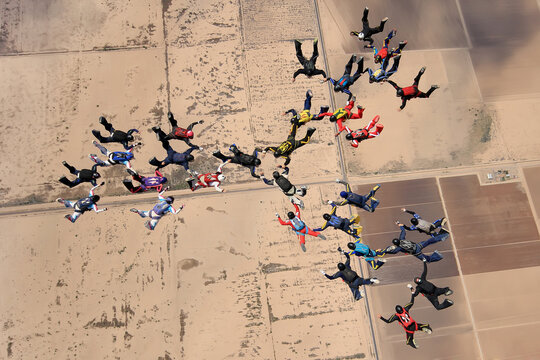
(322, 272)
(424, 259)
(329, 202)
(409, 286)
(403, 209)
(339, 249)
(277, 215)
(102, 183)
(200, 148)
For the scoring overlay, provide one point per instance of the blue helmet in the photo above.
(343, 194)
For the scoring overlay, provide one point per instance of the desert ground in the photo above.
(222, 279)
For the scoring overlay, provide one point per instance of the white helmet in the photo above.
(221, 177)
(361, 35)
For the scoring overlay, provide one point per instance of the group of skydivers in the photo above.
(350, 226)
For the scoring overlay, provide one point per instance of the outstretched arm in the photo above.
(95, 208)
(160, 195)
(410, 304)
(220, 167)
(172, 210)
(390, 319)
(348, 262)
(332, 277)
(424, 273)
(91, 192)
(290, 111)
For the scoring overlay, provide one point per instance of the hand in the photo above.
(283, 114)
(379, 316)
(102, 183)
(399, 109)
(329, 202)
(322, 272)
(139, 143)
(403, 209)
(424, 259)
(293, 79)
(277, 215)
(339, 249)
(182, 206)
(200, 148)
(409, 286)
(201, 121)
(166, 188)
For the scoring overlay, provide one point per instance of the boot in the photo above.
(64, 180)
(155, 162)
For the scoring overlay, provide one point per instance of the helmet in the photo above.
(291, 215)
(378, 58)
(333, 118)
(348, 136)
(361, 35)
(395, 242)
(417, 280)
(327, 217)
(94, 198)
(189, 134)
(341, 266)
(276, 154)
(221, 177)
(96, 175)
(399, 309)
(257, 162)
(351, 245)
(164, 180)
(343, 194)
(338, 87)
(190, 158)
(169, 200)
(372, 79)
(275, 174)
(130, 137)
(414, 221)
(400, 92)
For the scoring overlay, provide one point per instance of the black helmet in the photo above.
(395, 242)
(95, 175)
(400, 92)
(417, 280)
(341, 266)
(338, 87)
(190, 158)
(130, 137)
(372, 79)
(257, 162)
(333, 118)
(94, 198)
(351, 245)
(276, 154)
(291, 215)
(414, 221)
(275, 174)
(399, 309)
(327, 217)
(378, 58)
(169, 200)
(348, 136)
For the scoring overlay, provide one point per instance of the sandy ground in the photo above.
(223, 279)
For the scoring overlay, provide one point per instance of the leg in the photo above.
(435, 256)
(151, 224)
(359, 71)
(299, 55)
(107, 125)
(315, 54)
(417, 78)
(64, 180)
(160, 134)
(410, 339)
(432, 89)
(220, 156)
(365, 21)
(101, 148)
(71, 169)
(355, 291)
(348, 67)
(305, 140)
(433, 240)
(307, 102)
(395, 66)
(73, 217)
(375, 264)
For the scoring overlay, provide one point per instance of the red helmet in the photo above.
(189, 134)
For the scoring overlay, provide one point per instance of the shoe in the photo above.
(354, 58)
(375, 280)
(385, 19)
(93, 157)
(60, 200)
(156, 129)
(362, 293)
(64, 163)
(309, 93)
(339, 181)
(444, 221)
(410, 286)
(377, 187)
(450, 302)
(382, 260)
(69, 218)
(134, 210)
(427, 330)
(423, 69)
(304, 187)
(448, 293)
(366, 9)
(403, 43)
(147, 225)
(358, 62)
(303, 247)
(315, 41)
(170, 115)
(102, 120)
(391, 248)
(298, 41)
(322, 236)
